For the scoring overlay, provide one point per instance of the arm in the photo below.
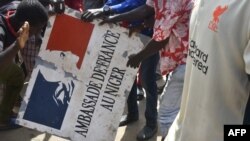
(139, 13)
(91, 14)
(146, 25)
(126, 6)
(7, 55)
(112, 2)
(151, 48)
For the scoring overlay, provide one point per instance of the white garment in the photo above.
(216, 86)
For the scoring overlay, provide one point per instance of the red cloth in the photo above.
(172, 21)
(75, 4)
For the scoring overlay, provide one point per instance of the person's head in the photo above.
(33, 12)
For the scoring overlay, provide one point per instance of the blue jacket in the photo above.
(121, 6)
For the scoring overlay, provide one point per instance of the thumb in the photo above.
(21, 29)
(102, 23)
(130, 32)
(19, 32)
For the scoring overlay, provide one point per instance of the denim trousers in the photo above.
(148, 73)
(13, 78)
(171, 99)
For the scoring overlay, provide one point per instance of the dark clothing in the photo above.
(12, 76)
(91, 4)
(121, 6)
(6, 37)
(148, 69)
(11, 5)
(247, 113)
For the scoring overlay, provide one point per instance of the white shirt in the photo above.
(216, 85)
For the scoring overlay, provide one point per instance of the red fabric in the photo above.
(75, 4)
(12, 30)
(172, 22)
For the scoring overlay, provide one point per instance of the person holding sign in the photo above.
(148, 69)
(171, 39)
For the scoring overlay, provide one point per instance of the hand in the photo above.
(134, 61)
(92, 14)
(58, 6)
(109, 19)
(23, 35)
(133, 29)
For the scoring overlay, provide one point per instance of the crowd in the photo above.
(203, 47)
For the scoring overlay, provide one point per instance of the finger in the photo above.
(89, 17)
(25, 27)
(102, 22)
(128, 64)
(22, 29)
(131, 56)
(19, 32)
(134, 65)
(51, 13)
(25, 31)
(84, 15)
(131, 31)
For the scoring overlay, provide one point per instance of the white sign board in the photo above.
(79, 86)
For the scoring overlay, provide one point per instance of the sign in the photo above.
(79, 85)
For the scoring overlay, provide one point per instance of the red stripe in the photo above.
(70, 34)
(10, 27)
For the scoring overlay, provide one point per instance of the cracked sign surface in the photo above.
(79, 85)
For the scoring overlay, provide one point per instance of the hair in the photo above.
(32, 11)
(45, 2)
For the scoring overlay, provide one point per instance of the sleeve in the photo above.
(177, 21)
(150, 3)
(112, 2)
(126, 5)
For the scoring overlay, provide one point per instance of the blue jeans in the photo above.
(171, 99)
(148, 73)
